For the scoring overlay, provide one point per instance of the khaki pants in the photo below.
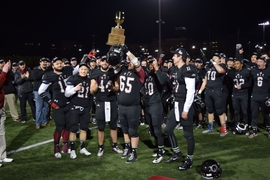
(10, 100)
(3, 145)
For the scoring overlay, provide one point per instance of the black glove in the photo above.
(125, 49)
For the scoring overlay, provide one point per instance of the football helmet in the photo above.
(115, 55)
(210, 169)
(241, 128)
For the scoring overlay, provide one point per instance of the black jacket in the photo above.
(24, 84)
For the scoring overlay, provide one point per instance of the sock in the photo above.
(114, 145)
(176, 150)
(72, 145)
(65, 135)
(101, 146)
(56, 136)
(82, 144)
(190, 157)
(127, 144)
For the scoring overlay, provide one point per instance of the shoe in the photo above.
(132, 158)
(174, 157)
(179, 127)
(6, 160)
(85, 152)
(100, 152)
(57, 152)
(247, 133)
(37, 127)
(73, 154)
(253, 135)
(45, 125)
(23, 122)
(17, 120)
(117, 149)
(125, 153)
(209, 129)
(0, 165)
(199, 126)
(156, 154)
(158, 159)
(186, 165)
(223, 131)
(65, 148)
(142, 123)
(94, 121)
(34, 120)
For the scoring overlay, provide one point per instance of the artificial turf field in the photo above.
(240, 158)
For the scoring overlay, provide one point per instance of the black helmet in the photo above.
(241, 128)
(115, 55)
(210, 169)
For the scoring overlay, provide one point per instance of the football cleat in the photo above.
(100, 152)
(73, 154)
(161, 153)
(174, 157)
(85, 152)
(126, 153)
(158, 159)
(117, 149)
(65, 148)
(132, 158)
(253, 135)
(223, 131)
(209, 129)
(186, 165)
(57, 151)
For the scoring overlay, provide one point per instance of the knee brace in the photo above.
(133, 133)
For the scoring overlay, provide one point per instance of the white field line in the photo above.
(37, 144)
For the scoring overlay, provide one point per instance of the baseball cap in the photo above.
(73, 59)
(102, 58)
(44, 59)
(83, 64)
(21, 62)
(262, 58)
(198, 60)
(222, 55)
(180, 51)
(170, 60)
(216, 54)
(2, 60)
(56, 59)
(14, 64)
(67, 62)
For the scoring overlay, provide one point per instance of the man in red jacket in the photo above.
(3, 79)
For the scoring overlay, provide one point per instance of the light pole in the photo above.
(160, 22)
(264, 24)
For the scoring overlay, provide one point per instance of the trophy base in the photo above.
(115, 39)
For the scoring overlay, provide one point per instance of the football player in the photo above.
(153, 87)
(56, 81)
(78, 91)
(183, 111)
(104, 86)
(131, 79)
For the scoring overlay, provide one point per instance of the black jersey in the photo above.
(130, 86)
(261, 80)
(105, 81)
(186, 71)
(153, 87)
(242, 78)
(214, 78)
(57, 84)
(82, 97)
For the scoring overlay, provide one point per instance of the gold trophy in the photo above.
(117, 33)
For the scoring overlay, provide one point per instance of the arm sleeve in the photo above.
(190, 85)
(70, 90)
(41, 91)
(141, 75)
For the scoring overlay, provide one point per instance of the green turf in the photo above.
(240, 158)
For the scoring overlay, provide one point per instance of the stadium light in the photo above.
(264, 24)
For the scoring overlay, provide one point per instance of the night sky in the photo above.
(77, 20)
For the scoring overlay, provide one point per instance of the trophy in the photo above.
(117, 33)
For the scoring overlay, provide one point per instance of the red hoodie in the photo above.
(4, 79)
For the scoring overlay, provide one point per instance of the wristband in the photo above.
(200, 91)
(214, 62)
(128, 53)
(134, 60)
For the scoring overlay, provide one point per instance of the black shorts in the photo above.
(129, 116)
(107, 114)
